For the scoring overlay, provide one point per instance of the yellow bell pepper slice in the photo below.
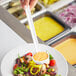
(35, 66)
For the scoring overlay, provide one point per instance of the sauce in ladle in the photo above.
(40, 56)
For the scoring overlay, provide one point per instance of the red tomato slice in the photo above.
(15, 66)
(30, 54)
(52, 63)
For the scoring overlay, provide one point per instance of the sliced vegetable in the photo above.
(15, 66)
(18, 71)
(30, 54)
(31, 63)
(22, 69)
(38, 69)
(52, 63)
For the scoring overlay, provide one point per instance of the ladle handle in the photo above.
(32, 28)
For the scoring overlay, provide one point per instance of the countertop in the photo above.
(16, 35)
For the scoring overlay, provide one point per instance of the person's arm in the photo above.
(31, 3)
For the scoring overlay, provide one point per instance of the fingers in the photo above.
(24, 2)
(33, 3)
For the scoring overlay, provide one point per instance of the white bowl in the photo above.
(9, 60)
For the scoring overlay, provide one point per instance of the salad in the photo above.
(25, 66)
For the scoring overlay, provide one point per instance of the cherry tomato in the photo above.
(15, 66)
(52, 63)
(30, 54)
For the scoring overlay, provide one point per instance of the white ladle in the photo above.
(34, 36)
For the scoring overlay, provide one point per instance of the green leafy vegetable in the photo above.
(46, 75)
(15, 72)
(49, 70)
(50, 57)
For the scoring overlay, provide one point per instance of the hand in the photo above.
(31, 3)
